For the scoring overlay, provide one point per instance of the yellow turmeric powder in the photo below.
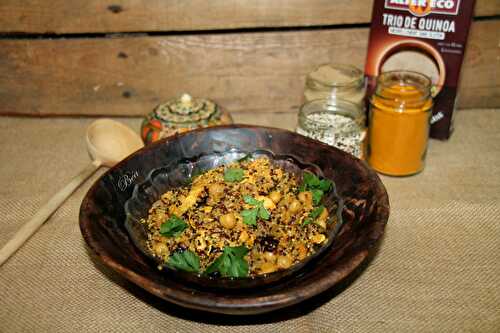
(399, 126)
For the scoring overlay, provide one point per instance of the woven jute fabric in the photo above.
(437, 269)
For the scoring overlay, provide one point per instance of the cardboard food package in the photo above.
(426, 36)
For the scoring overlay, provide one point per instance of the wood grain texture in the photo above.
(86, 16)
(364, 217)
(284, 120)
(252, 72)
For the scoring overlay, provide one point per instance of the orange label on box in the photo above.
(425, 7)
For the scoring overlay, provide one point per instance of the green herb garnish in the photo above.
(186, 261)
(316, 196)
(233, 175)
(311, 180)
(250, 200)
(173, 227)
(313, 215)
(231, 263)
(318, 187)
(307, 221)
(325, 185)
(250, 215)
(263, 213)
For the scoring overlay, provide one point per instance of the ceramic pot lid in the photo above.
(187, 110)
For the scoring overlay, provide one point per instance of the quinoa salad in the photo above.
(243, 219)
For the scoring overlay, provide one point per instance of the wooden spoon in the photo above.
(108, 142)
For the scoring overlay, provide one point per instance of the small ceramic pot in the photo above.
(181, 115)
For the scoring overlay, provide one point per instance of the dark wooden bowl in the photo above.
(365, 213)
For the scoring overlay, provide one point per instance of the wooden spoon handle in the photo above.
(30, 227)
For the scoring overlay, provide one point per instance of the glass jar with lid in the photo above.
(336, 122)
(336, 81)
(399, 123)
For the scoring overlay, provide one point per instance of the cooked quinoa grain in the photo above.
(251, 204)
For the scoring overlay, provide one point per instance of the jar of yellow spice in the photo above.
(399, 123)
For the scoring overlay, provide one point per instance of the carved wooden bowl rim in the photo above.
(336, 266)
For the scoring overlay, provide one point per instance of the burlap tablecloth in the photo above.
(438, 268)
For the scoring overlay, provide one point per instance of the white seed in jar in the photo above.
(343, 133)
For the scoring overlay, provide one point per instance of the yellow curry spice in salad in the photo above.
(243, 219)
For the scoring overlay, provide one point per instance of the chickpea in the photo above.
(318, 239)
(228, 221)
(269, 257)
(268, 267)
(322, 218)
(321, 223)
(284, 262)
(267, 203)
(243, 236)
(160, 248)
(324, 215)
(215, 192)
(306, 197)
(275, 196)
(294, 206)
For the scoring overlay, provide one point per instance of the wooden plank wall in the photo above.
(84, 16)
(98, 57)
